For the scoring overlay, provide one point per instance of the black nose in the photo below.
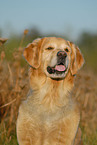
(62, 54)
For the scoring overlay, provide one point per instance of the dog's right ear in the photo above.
(32, 53)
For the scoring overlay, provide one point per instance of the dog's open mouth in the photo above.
(58, 69)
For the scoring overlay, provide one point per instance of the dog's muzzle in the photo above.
(61, 65)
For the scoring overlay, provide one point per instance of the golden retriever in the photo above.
(49, 116)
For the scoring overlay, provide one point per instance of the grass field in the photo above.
(14, 85)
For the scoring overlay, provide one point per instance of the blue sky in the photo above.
(69, 17)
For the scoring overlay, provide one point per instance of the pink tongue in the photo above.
(60, 67)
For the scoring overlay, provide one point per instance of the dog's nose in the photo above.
(62, 54)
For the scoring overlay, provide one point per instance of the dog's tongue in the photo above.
(60, 68)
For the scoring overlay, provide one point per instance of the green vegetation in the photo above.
(89, 139)
(88, 44)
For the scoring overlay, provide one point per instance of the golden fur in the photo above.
(49, 116)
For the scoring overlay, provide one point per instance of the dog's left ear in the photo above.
(32, 53)
(77, 59)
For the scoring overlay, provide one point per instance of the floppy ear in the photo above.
(32, 53)
(77, 59)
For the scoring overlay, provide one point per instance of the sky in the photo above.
(70, 17)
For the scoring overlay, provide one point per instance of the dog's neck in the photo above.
(49, 92)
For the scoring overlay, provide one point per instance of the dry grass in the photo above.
(14, 85)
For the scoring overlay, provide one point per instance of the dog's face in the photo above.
(55, 56)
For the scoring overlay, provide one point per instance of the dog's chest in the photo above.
(48, 118)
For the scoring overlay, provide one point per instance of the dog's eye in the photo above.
(49, 48)
(66, 49)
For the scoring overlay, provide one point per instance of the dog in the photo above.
(50, 116)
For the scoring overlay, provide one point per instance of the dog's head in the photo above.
(55, 57)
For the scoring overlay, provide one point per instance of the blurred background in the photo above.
(23, 21)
